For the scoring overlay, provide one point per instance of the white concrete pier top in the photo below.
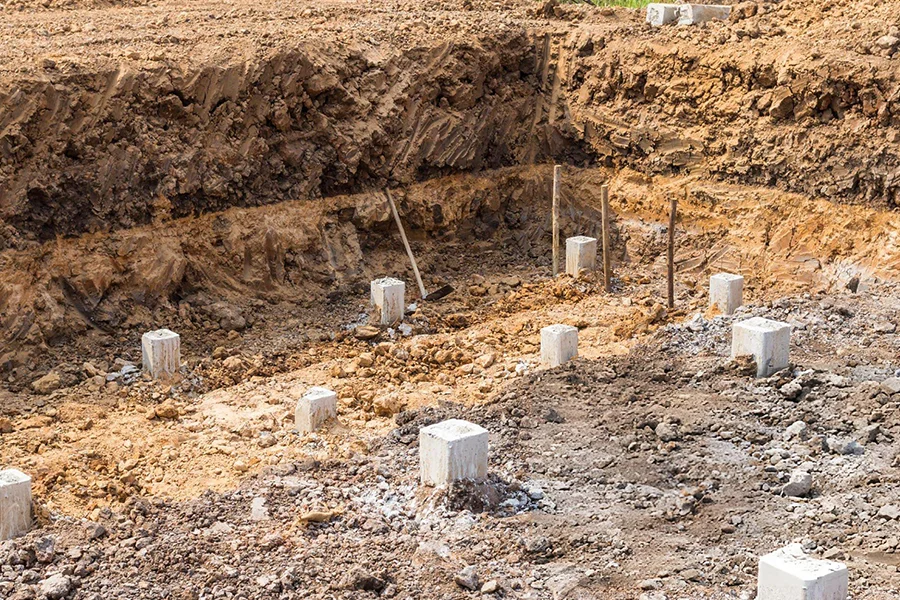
(726, 292)
(559, 344)
(581, 254)
(452, 450)
(315, 407)
(15, 503)
(790, 574)
(388, 298)
(161, 352)
(660, 14)
(768, 341)
(691, 14)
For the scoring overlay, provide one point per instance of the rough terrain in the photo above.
(217, 168)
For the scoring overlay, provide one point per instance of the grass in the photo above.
(625, 3)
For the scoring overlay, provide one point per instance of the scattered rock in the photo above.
(166, 410)
(668, 432)
(46, 384)
(56, 586)
(798, 485)
(468, 578)
(889, 511)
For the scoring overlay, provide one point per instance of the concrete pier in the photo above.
(768, 341)
(691, 14)
(315, 407)
(726, 292)
(790, 574)
(161, 350)
(660, 14)
(15, 503)
(559, 344)
(452, 450)
(581, 254)
(388, 298)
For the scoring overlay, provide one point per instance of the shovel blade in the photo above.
(439, 293)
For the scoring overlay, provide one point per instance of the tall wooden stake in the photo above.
(673, 207)
(412, 258)
(556, 186)
(607, 269)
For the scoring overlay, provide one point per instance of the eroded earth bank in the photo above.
(218, 169)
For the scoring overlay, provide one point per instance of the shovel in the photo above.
(436, 294)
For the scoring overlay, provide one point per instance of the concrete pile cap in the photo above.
(727, 276)
(316, 392)
(762, 324)
(452, 430)
(793, 558)
(387, 282)
(559, 328)
(160, 334)
(10, 476)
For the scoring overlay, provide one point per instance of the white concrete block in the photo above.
(452, 450)
(559, 344)
(768, 341)
(726, 292)
(315, 407)
(581, 254)
(789, 574)
(388, 297)
(15, 503)
(161, 351)
(691, 14)
(660, 14)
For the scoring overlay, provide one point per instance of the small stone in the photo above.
(367, 332)
(884, 327)
(467, 578)
(791, 390)
(56, 586)
(844, 446)
(891, 385)
(889, 511)
(6, 425)
(166, 410)
(490, 587)
(797, 429)
(887, 42)
(46, 384)
(667, 432)
(799, 484)
(317, 516)
(233, 363)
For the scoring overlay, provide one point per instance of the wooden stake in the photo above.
(673, 207)
(607, 269)
(412, 258)
(556, 186)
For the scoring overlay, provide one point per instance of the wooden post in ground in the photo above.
(673, 207)
(607, 269)
(556, 186)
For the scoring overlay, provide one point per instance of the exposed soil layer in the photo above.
(101, 131)
(218, 169)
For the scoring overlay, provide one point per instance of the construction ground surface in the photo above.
(217, 168)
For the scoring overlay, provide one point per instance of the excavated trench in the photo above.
(127, 196)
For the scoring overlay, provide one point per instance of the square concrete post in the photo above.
(15, 503)
(726, 292)
(452, 450)
(691, 14)
(559, 344)
(581, 254)
(660, 14)
(388, 297)
(161, 351)
(768, 341)
(789, 574)
(315, 407)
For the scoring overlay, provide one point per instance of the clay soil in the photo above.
(217, 169)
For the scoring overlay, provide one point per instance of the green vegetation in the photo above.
(626, 3)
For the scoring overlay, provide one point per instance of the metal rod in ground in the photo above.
(673, 207)
(412, 258)
(607, 268)
(557, 172)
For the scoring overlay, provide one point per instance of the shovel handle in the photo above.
(412, 258)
